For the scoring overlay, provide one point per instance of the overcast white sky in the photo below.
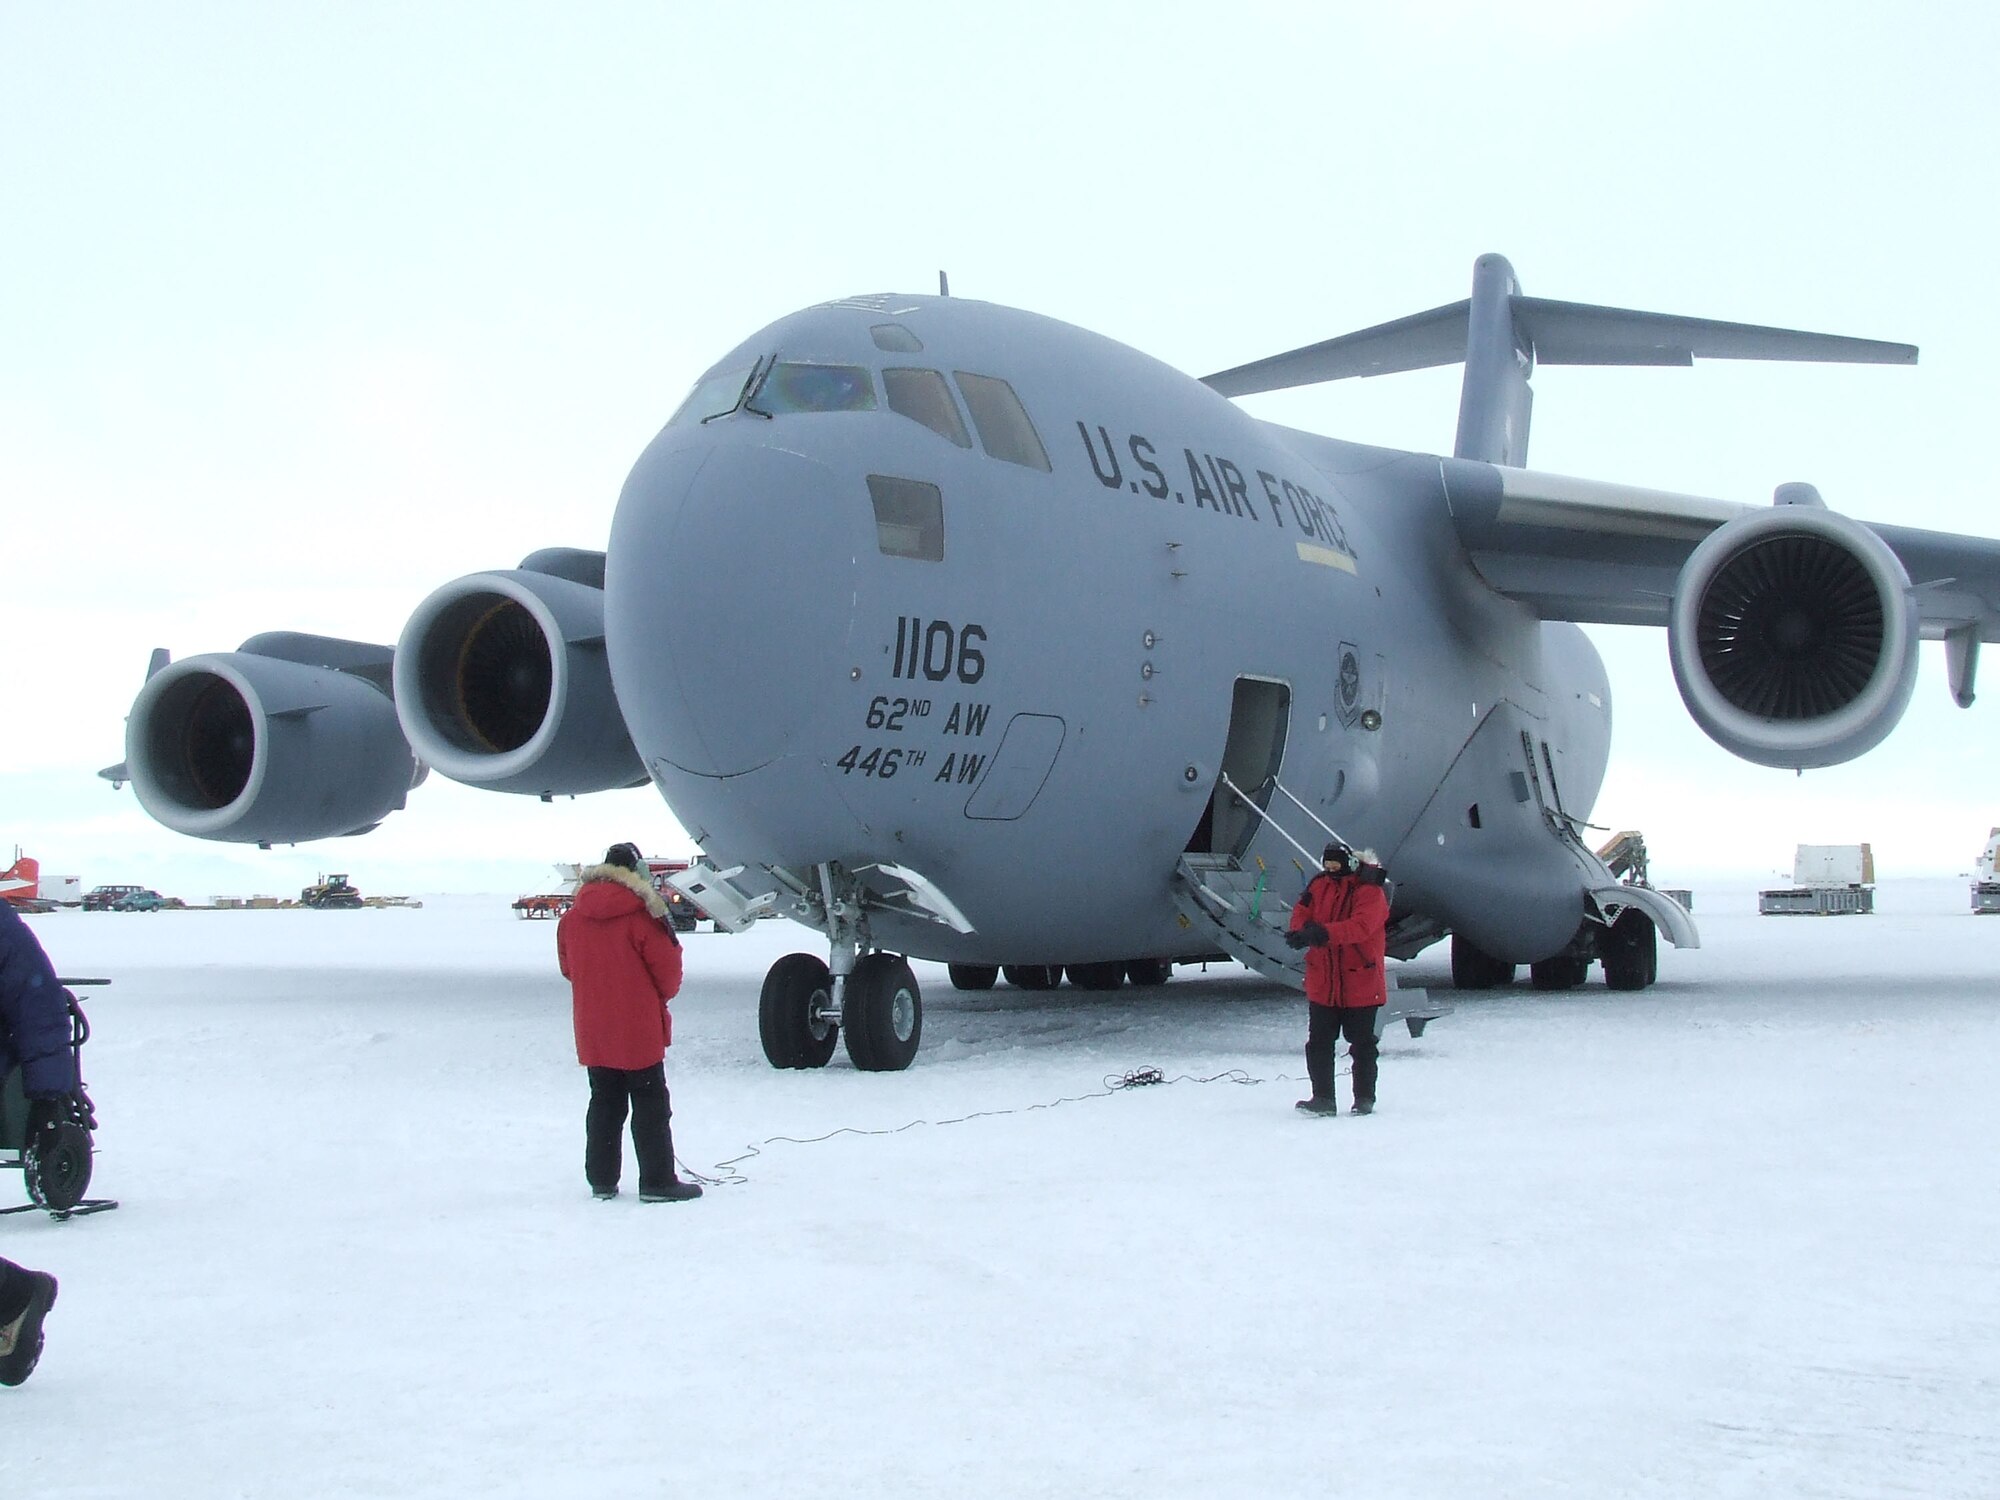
(309, 310)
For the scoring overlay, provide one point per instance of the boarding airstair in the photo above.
(1246, 909)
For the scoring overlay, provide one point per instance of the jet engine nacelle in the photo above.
(1794, 637)
(260, 750)
(502, 683)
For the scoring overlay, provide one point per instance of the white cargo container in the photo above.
(1828, 880)
(1833, 864)
(1986, 877)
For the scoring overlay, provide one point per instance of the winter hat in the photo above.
(625, 856)
(1339, 851)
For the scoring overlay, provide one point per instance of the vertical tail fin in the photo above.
(1495, 401)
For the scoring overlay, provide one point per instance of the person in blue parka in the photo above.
(34, 1014)
(35, 1037)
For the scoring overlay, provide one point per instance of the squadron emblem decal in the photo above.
(1350, 684)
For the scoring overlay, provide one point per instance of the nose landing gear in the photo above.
(868, 997)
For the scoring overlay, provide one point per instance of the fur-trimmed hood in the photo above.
(632, 880)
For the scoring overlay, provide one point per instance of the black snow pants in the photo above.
(1325, 1026)
(645, 1089)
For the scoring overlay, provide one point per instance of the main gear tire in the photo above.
(1149, 973)
(973, 976)
(1630, 951)
(1033, 976)
(1473, 968)
(1109, 975)
(882, 1014)
(1559, 973)
(791, 1013)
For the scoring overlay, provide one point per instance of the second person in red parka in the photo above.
(1342, 922)
(623, 962)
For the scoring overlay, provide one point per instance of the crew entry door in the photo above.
(1260, 713)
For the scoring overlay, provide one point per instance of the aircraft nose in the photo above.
(728, 594)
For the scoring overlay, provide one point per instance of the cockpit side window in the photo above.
(909, 517)
(799, 387)
(1004, 428)
(714, 395)
(922, 396)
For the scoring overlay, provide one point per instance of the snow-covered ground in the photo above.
(1735, 1236)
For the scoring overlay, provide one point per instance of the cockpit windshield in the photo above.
(797, 387)
(715, 394)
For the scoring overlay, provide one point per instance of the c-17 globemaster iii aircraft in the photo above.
(959, 633)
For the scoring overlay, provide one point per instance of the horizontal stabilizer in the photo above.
(1552, 333)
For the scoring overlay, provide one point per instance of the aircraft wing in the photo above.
(1585, 550)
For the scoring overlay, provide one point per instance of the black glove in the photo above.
(1296, 938)
(1312, 935)
(47, 1113)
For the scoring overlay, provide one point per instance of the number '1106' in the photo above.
(937, 649)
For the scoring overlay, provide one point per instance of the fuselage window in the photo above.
(1004, 428)
(715, 394)
(894, 338)
(922, 396)
(909, 517)
(794, 387)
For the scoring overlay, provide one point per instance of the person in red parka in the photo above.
(623, 962)
(1341, 921)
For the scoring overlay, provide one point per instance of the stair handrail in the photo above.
(1276, 826)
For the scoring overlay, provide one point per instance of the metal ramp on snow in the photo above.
(1247, 911)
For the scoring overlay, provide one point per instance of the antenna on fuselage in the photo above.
(944, 285)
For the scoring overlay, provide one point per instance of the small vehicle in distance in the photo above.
(139, 899)
(106, 897)
(334, 893)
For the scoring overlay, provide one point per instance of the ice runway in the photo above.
(1732, 1236)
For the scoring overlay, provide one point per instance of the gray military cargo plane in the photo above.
(959, 633)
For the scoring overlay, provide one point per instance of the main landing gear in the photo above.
(869, 998)
(1629, 950)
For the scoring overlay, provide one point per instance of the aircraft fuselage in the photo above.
(995, 599)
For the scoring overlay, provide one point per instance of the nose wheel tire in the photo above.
(791, 1013)
(882, 1014)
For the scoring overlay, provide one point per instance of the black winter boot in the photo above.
(1318, 1106)
(671, 1191)
(24, 1329)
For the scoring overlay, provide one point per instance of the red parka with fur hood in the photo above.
(623, 964)
(1347, 969)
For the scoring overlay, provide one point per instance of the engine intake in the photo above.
(501, 682)
(257, 750)
(1794, 638)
